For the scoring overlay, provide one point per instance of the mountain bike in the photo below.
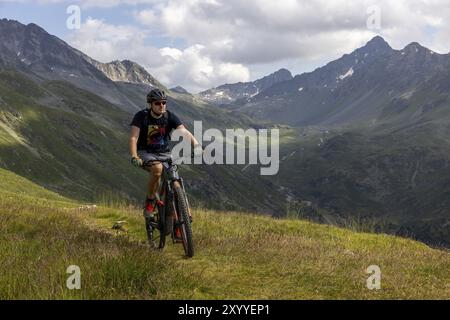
(174, 216)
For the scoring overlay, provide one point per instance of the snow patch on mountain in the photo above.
(349, 73)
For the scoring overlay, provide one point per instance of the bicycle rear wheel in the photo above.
(184, 221)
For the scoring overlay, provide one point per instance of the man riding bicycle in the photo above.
(149, 142)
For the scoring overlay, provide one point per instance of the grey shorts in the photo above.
(154, 156)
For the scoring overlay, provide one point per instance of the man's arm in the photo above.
(134, 136)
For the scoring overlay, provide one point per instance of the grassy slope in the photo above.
(238, 256)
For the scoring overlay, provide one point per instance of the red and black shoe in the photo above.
(150, 208)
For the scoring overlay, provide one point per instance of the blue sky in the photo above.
(52, 16)
(200, 44)
(49, 17)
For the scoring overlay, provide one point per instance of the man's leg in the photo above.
(154, 179)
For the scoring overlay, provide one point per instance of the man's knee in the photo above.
(156, 169)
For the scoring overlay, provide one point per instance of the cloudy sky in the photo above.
(199, 44)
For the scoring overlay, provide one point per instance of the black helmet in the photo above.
(156, 95)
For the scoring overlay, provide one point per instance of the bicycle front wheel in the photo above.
(184, 220)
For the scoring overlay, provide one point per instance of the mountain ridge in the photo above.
(35, 52)
(354, 88)
(230, 93)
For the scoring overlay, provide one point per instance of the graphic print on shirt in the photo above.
(156, 135)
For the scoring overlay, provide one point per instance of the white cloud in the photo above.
(174, 53)
(264, 31)
(106, 42)
(191, 68)
(113, 3)
(195, 70)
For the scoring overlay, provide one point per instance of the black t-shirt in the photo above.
(155, 133)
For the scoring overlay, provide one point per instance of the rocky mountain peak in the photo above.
(276, 77)
(179, 89)
(127, 71)
(415, 47)
(375, 45)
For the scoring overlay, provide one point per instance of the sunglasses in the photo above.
(158, 103)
